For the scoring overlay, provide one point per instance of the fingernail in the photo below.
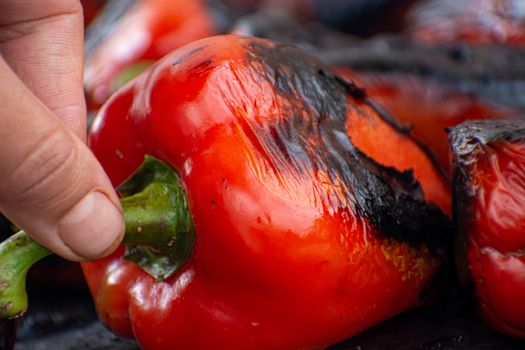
(93, 227)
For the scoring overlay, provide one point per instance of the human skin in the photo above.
(50, 184)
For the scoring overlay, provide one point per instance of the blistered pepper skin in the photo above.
(489, 182)
(302, 239)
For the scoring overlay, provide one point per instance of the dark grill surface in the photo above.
(65, 320)
(68, 322)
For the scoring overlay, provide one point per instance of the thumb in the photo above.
(51, 185)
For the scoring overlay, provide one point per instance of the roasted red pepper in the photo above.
(146, 32)
(489, 196)
(302, 239)
(475, 21)
(427, 108)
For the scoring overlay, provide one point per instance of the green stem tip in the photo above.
(17, 254)
(159, 234)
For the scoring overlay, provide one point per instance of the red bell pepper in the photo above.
(489, 192)
(428, 108)
(474, 21)
(302, 238)
(145, 33)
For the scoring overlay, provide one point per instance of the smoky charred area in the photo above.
(465, 137)
(306, 144)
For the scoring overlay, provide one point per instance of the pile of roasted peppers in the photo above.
(274, 201)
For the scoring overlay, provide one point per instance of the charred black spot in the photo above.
(352, 89)
(201, 66)
(188, 55)
(310, 138)
(393, 202)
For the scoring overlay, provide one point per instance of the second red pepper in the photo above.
(489, 189)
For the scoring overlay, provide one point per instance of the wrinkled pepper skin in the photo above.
(146, 32)
(302, 240)
(473, 21)
(489, 197)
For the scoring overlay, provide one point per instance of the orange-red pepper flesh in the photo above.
(427, 108)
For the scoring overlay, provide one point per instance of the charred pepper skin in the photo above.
(489, 197)
(302, 240)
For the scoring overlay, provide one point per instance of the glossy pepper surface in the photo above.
(489, 192)
(302, 239)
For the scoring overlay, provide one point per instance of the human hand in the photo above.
(51, 185)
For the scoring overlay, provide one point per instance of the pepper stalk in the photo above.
(159, 235)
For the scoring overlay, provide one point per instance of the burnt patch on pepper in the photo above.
(308, 140)
(465, 137)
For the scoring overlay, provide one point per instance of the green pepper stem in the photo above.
(129, 73)
(17, 254)
(159, 234)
